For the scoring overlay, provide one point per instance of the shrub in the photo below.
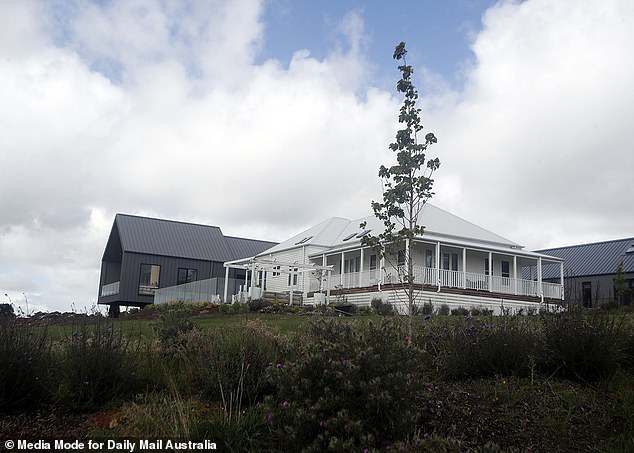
(238, 308)
(581, 344)
(98, 365)
(173, 321)
(167, 415)
(460, 311)
(348, 387)
(443, 310)
(6, 312)
(382, 308)
(227, 364)
(481, 349)
(25, 358)
(427, 308)
(258, 304)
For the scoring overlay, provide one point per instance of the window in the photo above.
(351, 265)
(306, 239)
(276, 271)
(363, 233)
(450, 261)
(429, 258)
(586, 294)
(186, 275)
(372, 262)
(487, 271)
(506, 273)
(350, 236)
(400, 261)
(292, 276)
(149, 279)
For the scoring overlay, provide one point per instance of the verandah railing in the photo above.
(445, 277)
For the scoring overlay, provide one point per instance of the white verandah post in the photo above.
(464, 268)
(359, 283)
(539, 279)
(490, 276)
(438, 264)
(341, 271)
(515, 274)
(561, 278)
(226, 291)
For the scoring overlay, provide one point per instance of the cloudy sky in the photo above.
(267, 116)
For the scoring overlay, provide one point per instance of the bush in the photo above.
(348, 387)
(25, 358)
(167, 415)
(460, 311)
(480, 349)
(443, 310)
(382, 308)
(173, 321)
(6, 312)
(98, 365)
(582, 344)
(427, 308)
(227, 364)
(258, 304)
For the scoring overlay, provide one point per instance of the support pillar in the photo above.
(361, 270)
(561, 278)
(226, 291)
(490, 282)
(342, 268)
(540, 289)
(438, 264)
(514, 274)
(464, 268)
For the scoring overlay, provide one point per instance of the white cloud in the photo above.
(538, 138)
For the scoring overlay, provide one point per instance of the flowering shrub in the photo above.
(347, 387)
(98, 364)
(25, 358)
(227, 364)
(470, 349)
(582, 344)
(174, 320)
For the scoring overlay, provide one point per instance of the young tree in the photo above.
(621, 290)
(406, 186)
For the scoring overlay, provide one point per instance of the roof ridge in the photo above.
(166, 220)
(588, 244)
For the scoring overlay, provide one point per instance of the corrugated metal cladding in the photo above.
(599, 258)
(170, 238)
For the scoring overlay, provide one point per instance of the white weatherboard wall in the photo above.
(298, 255)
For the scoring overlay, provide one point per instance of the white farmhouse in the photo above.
(456, 263)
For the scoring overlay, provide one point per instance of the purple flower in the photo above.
(285, 404)
(279, 365)
(346, 427)
(427, 317)
(322, 424)
(269, 416)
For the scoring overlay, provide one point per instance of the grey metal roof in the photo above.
(599, 258)
(180, 239)
(246, 248)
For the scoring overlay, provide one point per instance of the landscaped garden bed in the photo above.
(286, 382)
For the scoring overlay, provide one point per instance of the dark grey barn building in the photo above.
(590, 271)
(144, 254)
